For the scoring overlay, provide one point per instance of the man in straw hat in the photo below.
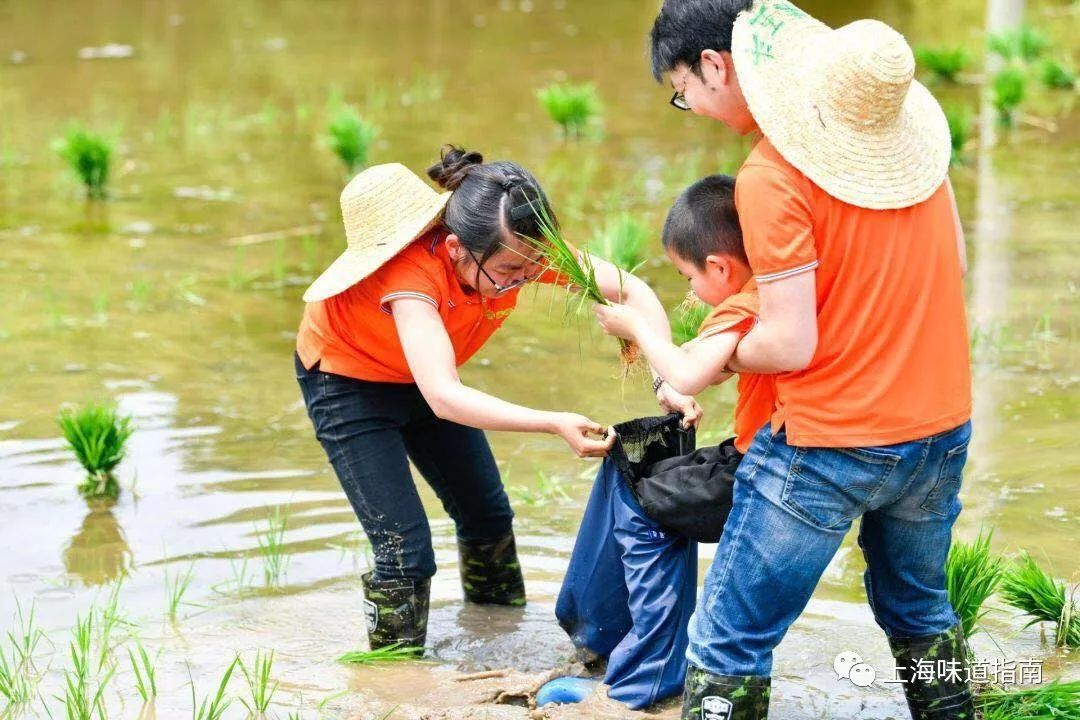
(851, 231)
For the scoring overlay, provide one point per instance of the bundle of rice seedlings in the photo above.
(88, 155)
(350, 137)
(1026, 44)
(622, 242)
(98, 435)
(395, 652)
(573, 107)
(558, 256)
(960, 127)
(972, 574)
(1056, 76)
(1008, 90)
(687, 319)
(944, 63)
(1030, 589)
(1054, 701)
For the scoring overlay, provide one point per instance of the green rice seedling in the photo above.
(945, 63)
(391, 653)
(213, 708)
(961, 124)
(1025, 44)
(1055, 701)
(19, 676)
(579, 272)
(972, 574)
(548, 489)
(82, 701)
(1056, 76)
(687, 319)
(89, 156)
(259, 685)
(1030, 589)
(97, 434)
(145, 670)
(350, 137)
(271, 541)
(1008, 90)
(622, 242)
(572, 107)
(175, 588)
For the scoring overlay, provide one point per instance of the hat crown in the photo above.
(867, 78)
(379, 197)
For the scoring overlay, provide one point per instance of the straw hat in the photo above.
(842, 105)
(384, 208)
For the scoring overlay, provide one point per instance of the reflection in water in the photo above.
(98, 552)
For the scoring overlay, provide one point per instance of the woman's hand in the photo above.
(585, 437)
(672, 400)
(621, 321)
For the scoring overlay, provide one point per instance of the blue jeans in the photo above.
(792, 508)
(370, 431)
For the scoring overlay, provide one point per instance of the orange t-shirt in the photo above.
(756, 399)
(892, 361)
(353, 333)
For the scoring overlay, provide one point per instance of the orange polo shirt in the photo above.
(756, 399)
(892, 361)
(353, 333)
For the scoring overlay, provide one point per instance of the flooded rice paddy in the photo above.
(179, 298)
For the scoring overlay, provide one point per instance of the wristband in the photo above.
(656, 383)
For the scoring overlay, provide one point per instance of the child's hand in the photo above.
(621, 321)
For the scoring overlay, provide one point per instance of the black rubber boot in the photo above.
(948, 695)
(724, 697)
(490, 572)
(396, 611)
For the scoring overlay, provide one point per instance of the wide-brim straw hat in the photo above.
(842, 105)
(384, 208)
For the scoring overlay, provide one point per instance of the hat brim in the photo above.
(894, 165)
(352, 266)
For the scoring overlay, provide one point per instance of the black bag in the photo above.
(687, 491)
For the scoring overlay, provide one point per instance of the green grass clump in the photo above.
(622, 242)
(97, 434)
(350, 137)
(19, 675)
(1008, 89)
(82, 700)
(687, 319)
(213, 708)
(573, 107)
(259, 685)
(1030, 589)
(271, 540)
(945, 63)
(1056, 76)
(549, 489)
(1054, 701)
(1025, 44)
(961, 124)
(391, 653)
(972, 574)
(89, 156)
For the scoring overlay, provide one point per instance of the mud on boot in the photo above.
(945, 697)
(490, 572)
(725, 697)
(396, 611)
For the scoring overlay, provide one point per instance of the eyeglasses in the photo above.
(499, 288)
(678, 101)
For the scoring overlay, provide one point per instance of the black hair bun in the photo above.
(453, 166)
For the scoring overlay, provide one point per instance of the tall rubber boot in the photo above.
(490, 572)
(396, 611)
(948, 695)
(725, 697)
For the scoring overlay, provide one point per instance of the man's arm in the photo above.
(785, 338)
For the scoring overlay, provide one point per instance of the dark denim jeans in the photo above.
(370, 431)
(793, 507)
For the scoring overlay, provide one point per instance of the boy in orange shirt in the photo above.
(702, 237)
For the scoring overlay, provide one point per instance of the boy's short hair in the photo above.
(703, 221)
(685, 28)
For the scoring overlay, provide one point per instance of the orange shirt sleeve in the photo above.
(777, 224)
(403, 277)
(738, 312)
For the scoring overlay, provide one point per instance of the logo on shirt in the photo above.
(497, 315)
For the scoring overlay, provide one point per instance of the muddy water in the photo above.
(162, 299)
